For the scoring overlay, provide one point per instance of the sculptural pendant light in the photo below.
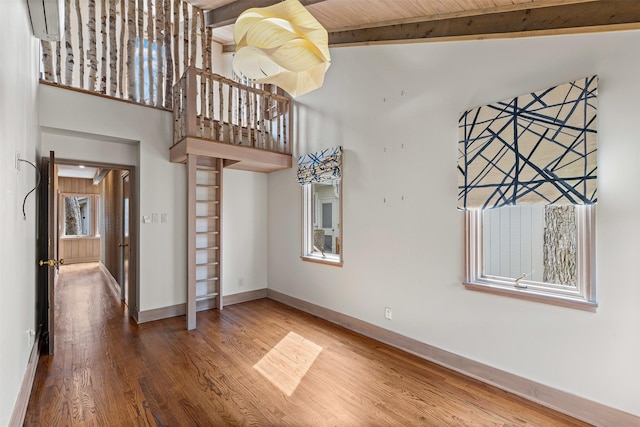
(282, 45)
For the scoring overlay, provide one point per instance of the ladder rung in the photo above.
(207, 232)
(208, 185)
(207, 216)
(205, 264)
(209, 169)
(207, 201)
(212, 279)
(207, 296)
(208, 248)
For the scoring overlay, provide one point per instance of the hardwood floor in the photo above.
(258, 363)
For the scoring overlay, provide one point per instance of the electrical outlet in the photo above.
(240, 282)
(387, 313)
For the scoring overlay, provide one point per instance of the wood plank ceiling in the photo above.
(359, 22)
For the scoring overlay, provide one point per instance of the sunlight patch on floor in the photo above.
(287, 363)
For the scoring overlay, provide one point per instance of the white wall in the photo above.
(84, 127)
(244, 234)
(161, 184)
(18, 132)
(395, 111)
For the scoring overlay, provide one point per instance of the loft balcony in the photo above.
(220, 118)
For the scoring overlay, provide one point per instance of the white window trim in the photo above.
(582, 297)
(308, 218)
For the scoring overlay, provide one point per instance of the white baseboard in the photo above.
(181, 309)
(244, 297)
(578, 407)
(171, 311)
(144, 316)
(115, 286)
(20, 408)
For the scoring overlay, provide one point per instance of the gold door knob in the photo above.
(51, 262)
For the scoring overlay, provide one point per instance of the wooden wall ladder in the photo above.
(204, 241)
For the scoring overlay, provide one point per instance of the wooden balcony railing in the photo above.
(211, 107)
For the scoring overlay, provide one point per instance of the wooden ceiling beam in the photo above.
(227, 14)
(563, 18)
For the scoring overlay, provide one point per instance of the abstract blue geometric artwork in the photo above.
(539, 148)
(323, 165)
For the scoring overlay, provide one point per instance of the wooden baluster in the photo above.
(203, 103)
(266, 117)
(250, 119)
(232, 128)
(279, 124)
(260, 121)
(211, 107)
(285, 120)
(221, 111)
(191, 102)
(240, 118)
(254, 120)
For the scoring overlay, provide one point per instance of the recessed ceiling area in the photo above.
(77, 171)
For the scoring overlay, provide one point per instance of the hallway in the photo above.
(257, 363)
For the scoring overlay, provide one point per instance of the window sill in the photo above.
(336, 262)
(531, 295)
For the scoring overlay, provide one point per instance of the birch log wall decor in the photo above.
(92, 52)
(113, 53)
(68, 74)
(132, 49)
(159, 52)
(168, 28)
(80, 42)
(140, 44)
(150, 41)
(103, 32)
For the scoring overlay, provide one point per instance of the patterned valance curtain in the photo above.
(324, 165)
(538, 148)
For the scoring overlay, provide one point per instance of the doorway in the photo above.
(109, 219)
(124, 244)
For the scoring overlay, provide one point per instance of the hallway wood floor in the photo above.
(259, 363)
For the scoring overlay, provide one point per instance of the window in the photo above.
(322, 207)
(79, 219)
(541, 253)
